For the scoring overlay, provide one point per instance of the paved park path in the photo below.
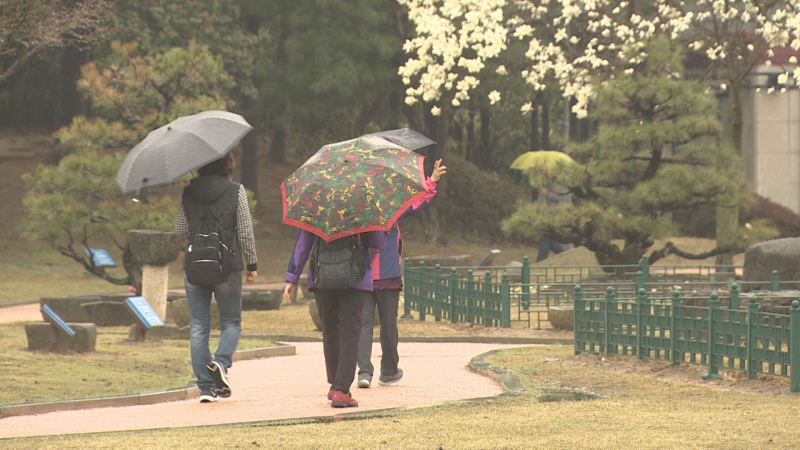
(286, 387)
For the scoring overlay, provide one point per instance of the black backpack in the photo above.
(339, 264)
(208, 259)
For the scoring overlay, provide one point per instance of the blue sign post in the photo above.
(101, 257)
(57, 324)
(145, 316)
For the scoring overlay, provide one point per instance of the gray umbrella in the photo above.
(405, 137)
(180, 147)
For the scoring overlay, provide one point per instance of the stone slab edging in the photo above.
(148, 398)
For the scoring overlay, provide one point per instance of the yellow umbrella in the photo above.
(547, 159)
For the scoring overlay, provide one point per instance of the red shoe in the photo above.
(330, 394)
(342, 400)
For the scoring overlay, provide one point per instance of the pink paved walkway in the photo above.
(21, 313)
(282, 388)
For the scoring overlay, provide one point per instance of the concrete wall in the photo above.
(771, 144)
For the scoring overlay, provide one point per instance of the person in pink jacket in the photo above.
(387, 271)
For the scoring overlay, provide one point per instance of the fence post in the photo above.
(577, 308)
(645, 271)
(733, 303)
(406, 303)
(752, 311)
(639, 280)
(506, 296)
(794, 347)
(453, 285)
(608, 300)
(487, 289)
(673, 332)
(774, 282)
(470, 288)
(641, 304)
(421, 306)
(437, 276)
(713, 308)
(526, 283)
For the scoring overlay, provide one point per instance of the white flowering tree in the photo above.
(569, 42)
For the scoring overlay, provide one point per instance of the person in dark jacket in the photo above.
(214, 187)
(340, 311)
(387, 271)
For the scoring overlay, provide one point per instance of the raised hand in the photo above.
(438, 171)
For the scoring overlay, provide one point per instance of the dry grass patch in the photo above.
(118, 367)
(635, 410)
(295, 319)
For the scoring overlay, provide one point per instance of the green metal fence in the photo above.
(523, 295)
(749, 340)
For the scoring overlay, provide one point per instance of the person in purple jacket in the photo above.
(387, 282)
(340, 311)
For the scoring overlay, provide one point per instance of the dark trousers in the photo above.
(340, 311)
(387, 301)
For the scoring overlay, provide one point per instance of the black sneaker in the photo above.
(364, 379)
(207, 394)
(219, 374)
(386, 380)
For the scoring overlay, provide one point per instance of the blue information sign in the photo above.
(52, 317)
(143, 312)
(101, 257)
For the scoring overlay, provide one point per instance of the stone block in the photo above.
(70, 309)
(762, 258)
(108, 314)
(514, 272)
(157, 248)
(561, 317)
(158, 333)
(180, 313)
(84, 341)
(261, 300)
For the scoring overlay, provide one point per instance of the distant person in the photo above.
(340, 311)
(546, 244)
(214, 188)
(387, 282)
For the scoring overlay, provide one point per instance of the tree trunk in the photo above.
(283, 114)
(566, 119)
(440, 128)
(728, 214)
(483, 159)
(471, 150)
(70, 102)
(280, 136)
(249, 174)
(546, 126)
(535, 138)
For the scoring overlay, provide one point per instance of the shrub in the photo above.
(476, 201)
(701, 221)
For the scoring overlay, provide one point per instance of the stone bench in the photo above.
(262, 299)
(56, 335)
(40, 337)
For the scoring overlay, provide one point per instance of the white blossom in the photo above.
(435, 111)
(494, 97)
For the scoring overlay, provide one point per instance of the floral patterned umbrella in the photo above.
(351, 187)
